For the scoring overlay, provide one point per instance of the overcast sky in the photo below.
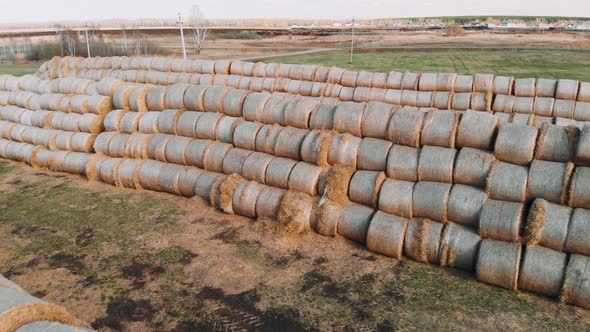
(52, 10)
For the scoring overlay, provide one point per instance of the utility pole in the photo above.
(352, 42)
(87, 42)
(182, 36)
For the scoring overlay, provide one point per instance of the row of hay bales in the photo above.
(275, 170)
(22, 312)
(541, 105)
(485, 83)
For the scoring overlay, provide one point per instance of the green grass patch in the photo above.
(19, 69)
(546, 64)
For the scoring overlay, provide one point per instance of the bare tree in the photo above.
(199, 29)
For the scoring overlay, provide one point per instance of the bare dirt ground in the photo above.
(144, 261)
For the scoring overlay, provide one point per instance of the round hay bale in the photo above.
(436, 164)
(245, 197)
(553, 140)
(255, 165)
(524, 87)
(566, 122)
(317, 89)
(82, 142)
(410, 81)
(354, 222)
(112, 120)
(375, 119)
(465, 205)
(498, 263)
(476, 130)
(373, 154)
(501, 220)
(440, 128)
(269, 202)
(442, 100)
(175, 95)
(377, 94)
(504, 103)
(195, 152)
(394, 80)
(168, 178)
(222, 192)
(564, 108)
(575, 285)
(348, 118)
(295, 213)
(129, 123)
(364, 79)
(483, 83)
(503, 85)
(315, 147)
(222, 66)
(344, 150)
(214, 156)
(148, 123)
(461, 101)
(405, 127)
(186, 123)
(579, 192)
(549, 180)
(156, 98)
(107, 170)
(393, 97)
(430, 200)
(278, 172)
(92, 167)
(583, 93)
(365, 187)
(458, 247)
(424, 99)
(175, 150)
(521, 119)
(567, 89)
(463, 83)
(91, 123)
(101, 144)
(167, 121)
(547, 225)
(108, 86)
(226, 128)
(213, 99)
(62, 141)
(205, 80)
(117, 145)
(322, 117)
(361, 94)
(545, 87)
(137, 146)
(156, 147)
(128, 173)
(299, 110)
(409, 98)
(234, 160)
(516, 144)
(523, 105)
(193, 99)
(427, 82)
(542, 271)
(254, 105)
(507, 182)
(305, 177)
(481, 101)
(445, 81)
(274, 110)
(332, 90)
(402, 163)
(266, 139)
(327, 219)
(121, 96)
(138, 99)
(422, 240)
(207, 125)
(233, 102)
(582, 111)
(205, 183)
(386, 234)
(245, 134)
(348, 78)
(379, 79)
(395, 197)
(289, 143)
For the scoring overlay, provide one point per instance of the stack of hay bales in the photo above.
(472, 172)
(52, 123)
(20, 311)
(528, 100)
